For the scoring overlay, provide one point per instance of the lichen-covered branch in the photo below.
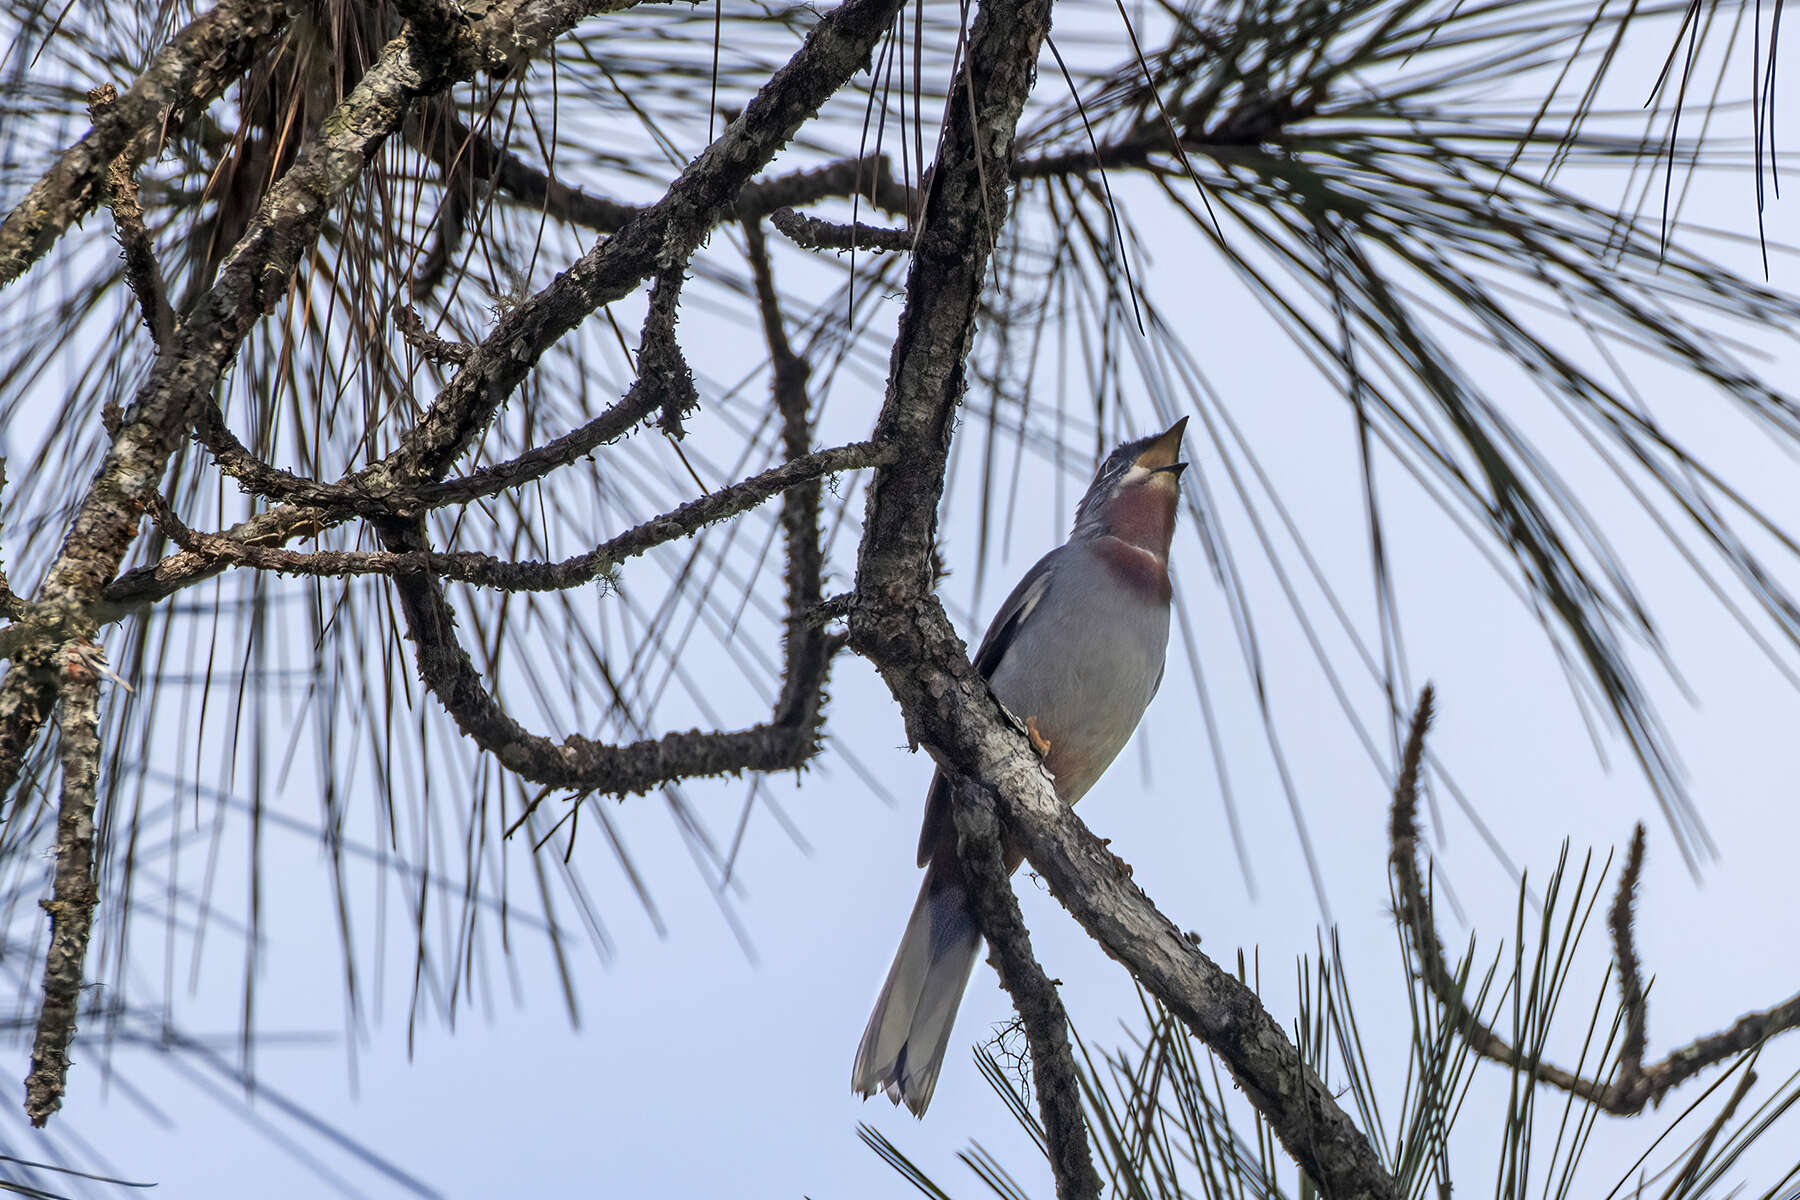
(811, 233)
(1634, 1084)
(192, 71)
(57, 624)
(658, 236)
(142, 275)
(71, 906)
(485, 570)
(807, 650)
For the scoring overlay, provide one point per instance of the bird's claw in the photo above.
(1039, 742)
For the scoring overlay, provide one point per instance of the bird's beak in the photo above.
(1164, 454)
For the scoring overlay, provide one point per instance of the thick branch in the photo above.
(898, 623)
(1634, 1084)
(1034, 996)
(72, 907)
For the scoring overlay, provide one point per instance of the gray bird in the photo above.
(1076, 653)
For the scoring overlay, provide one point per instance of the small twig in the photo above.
(811, 233)
(664, 382)
(1634, 1084)
(1034, 996)
(141, 272)
(870, 177)
(807, 648)
(71, 907)
(1631, 983)
(254, 475)
(427, 343)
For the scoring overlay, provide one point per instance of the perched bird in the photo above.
(1076, 653)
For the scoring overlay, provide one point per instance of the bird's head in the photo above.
(1135, 493)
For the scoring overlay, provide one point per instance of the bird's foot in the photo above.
(1039, 742)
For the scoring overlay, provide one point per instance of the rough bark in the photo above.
(192, 71)
(898, 623)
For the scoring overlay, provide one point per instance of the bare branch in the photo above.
(1631, 984)
(488, 571)
(1633, 1085)
(870, 177)
(427, 343)
(664, 233)
(897, 622)
(810, 233)
(260, 478)
(72, 907)
(192, 71)
(1034, 996)
(141, 272)
(807, 649)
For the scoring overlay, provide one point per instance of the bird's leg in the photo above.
(1039, 742)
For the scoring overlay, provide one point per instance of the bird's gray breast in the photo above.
(1085, 662)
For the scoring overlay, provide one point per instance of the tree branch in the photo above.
(898, 623)
(1634, 1084)
(485, 570)
(72, 907)
(141, 272)
(665, 233)
(251, 280)
(192, 71)
(427, 343)
(810, 233)
(1034, 996)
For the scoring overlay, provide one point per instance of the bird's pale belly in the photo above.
(1087, 691)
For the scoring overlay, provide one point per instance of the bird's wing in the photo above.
(999, 639)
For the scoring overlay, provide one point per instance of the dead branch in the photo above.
(484, 570)
(71, 907)
(1033, 994)
(1634, 1084)
(427, 343)
(192, 71)
(142, 275)
(811, 233)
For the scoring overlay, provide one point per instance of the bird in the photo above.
(1076, 654)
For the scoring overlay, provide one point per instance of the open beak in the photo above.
(1164, 454)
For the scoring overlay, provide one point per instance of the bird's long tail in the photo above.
(903, 1048)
